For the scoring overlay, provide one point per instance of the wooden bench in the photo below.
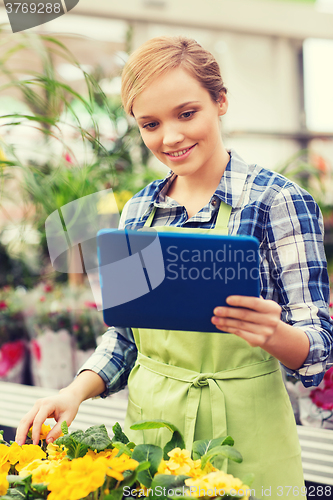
(17, 399)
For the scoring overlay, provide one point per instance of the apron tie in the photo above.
(197, 381)
(202, 380)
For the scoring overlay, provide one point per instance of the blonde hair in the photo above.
(163, 53)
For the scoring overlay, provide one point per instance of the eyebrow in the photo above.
(180, 106)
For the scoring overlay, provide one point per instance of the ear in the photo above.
(222, 104)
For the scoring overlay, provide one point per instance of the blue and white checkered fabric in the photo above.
(289, 226)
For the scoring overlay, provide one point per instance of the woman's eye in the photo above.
(150, 126)
(187, 114)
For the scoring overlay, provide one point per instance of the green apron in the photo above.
(211, 385)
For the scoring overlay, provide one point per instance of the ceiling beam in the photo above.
(262, 17)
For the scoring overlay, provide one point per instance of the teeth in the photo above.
(179, 153)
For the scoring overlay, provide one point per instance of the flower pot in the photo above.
(51, 355)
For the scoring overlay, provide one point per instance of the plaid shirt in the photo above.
(288, 224)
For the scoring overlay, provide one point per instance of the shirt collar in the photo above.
(229, 189)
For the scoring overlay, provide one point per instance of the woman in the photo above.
(210, 385)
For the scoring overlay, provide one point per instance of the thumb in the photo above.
(55, 432)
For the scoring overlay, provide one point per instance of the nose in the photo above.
(172, 135)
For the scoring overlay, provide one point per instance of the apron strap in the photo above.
(198, 380)
(222, 219)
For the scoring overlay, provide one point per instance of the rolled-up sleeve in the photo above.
(297, 265)
(113, 359)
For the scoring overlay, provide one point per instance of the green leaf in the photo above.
(131, 477)
(153, 424)
(202, 447)
(224, 451)
(64, 427)
(78, 442)
(148, 453)
(96, 438)
(119, 434)
(15, 494)
(40, 488)
(123, 448)
(163, 483)
(116, 494)
(17, 480)
(176, 441)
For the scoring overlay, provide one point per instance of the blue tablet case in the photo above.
(173, 280)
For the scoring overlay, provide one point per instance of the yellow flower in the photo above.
(117, 465)
(55, 452)
(114, 202)
(180, 461)
(83, 476)
(39, 470)
(105, 453)
(15, 452)
(29, 453)
(45, 429)
(216, 484)
(163, 468)
(4, 485)
(196, 470)
(27, 470)
(4, 458)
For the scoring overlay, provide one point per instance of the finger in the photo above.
(56, 431)
(24, 425)
(229, 323)
(256, 303)
(241, 314)
(43, 413)
(254, 339)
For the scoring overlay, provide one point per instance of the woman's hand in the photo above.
(62, 407)
(254, 319)
(258, 321)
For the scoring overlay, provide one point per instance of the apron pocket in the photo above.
(134, 414)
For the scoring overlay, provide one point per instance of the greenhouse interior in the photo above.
(68, 150)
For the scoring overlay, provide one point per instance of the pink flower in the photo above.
(323, 398)
(76, 328)
(42, 299)
(3, 304)
(92, 305)
(48, 288)
(11, 354)
(68, 158)
(328, 378)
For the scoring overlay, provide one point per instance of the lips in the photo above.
(179, 153)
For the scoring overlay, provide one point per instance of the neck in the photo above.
(203, 182)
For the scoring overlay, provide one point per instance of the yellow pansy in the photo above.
(196, 470)
(29, 453)
(27, 470)
(180, 461)
(83, 476)
(4, 458)
(15, 452)
(55, 452)
(216, 484)
(4, 485)
(105, 453)
(163, 468)
(45, 429)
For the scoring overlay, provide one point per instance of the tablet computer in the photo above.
(173, 280)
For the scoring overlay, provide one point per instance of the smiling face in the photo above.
(179, 123)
